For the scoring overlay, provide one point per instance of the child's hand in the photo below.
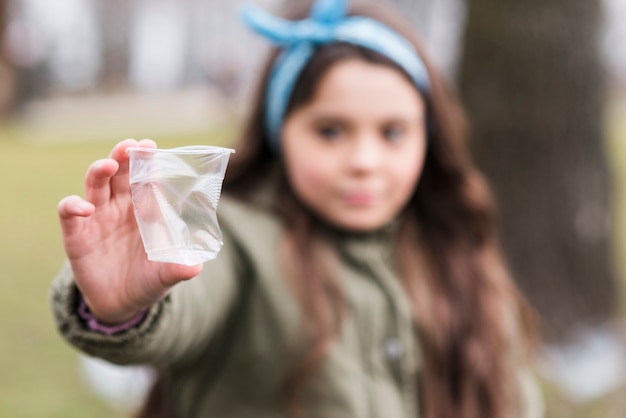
(104, 247)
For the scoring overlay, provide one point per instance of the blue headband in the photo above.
(328, 22)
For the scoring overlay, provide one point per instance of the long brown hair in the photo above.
(472, 325)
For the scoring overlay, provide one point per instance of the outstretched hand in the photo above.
(104, 247)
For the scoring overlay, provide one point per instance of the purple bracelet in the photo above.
(95, 325)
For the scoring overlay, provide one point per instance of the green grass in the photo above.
(39, 371)
(40, 376)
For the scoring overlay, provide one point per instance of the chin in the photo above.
(361, 226)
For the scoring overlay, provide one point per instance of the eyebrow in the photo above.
(338, 118)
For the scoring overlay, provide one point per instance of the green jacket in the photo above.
(227, 339)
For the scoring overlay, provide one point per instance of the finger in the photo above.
(147, 143)
(72, 206)
(119, 184)
(72, 210)
(119, 150)
(175, 273)
(97, 181)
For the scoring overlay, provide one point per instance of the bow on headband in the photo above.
(328, 22)
(318, 28)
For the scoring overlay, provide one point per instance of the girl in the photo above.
(360, 274)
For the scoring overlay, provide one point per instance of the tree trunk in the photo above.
(533, 84)
(6, 70)
(115, 26)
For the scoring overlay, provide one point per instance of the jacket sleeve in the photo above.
(178, 328)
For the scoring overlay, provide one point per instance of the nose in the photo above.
(366, 153)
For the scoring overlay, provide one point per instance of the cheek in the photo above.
(309, 176)
(408, 170)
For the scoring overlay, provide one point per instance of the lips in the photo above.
(359, 199)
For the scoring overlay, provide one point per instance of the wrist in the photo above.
(94, 323)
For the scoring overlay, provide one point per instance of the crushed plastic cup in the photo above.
(175, 193)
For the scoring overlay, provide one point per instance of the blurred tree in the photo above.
(6, 70)
(115, 25)
(533, 83)
(4, 19)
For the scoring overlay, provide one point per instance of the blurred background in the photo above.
(544, 84)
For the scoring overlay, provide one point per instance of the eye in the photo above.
(329, 131)
(393, 132)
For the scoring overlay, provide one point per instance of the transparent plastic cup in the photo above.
(175, 193)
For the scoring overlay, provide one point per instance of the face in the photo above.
(355, 152)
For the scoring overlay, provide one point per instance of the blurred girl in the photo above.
(360, 274)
